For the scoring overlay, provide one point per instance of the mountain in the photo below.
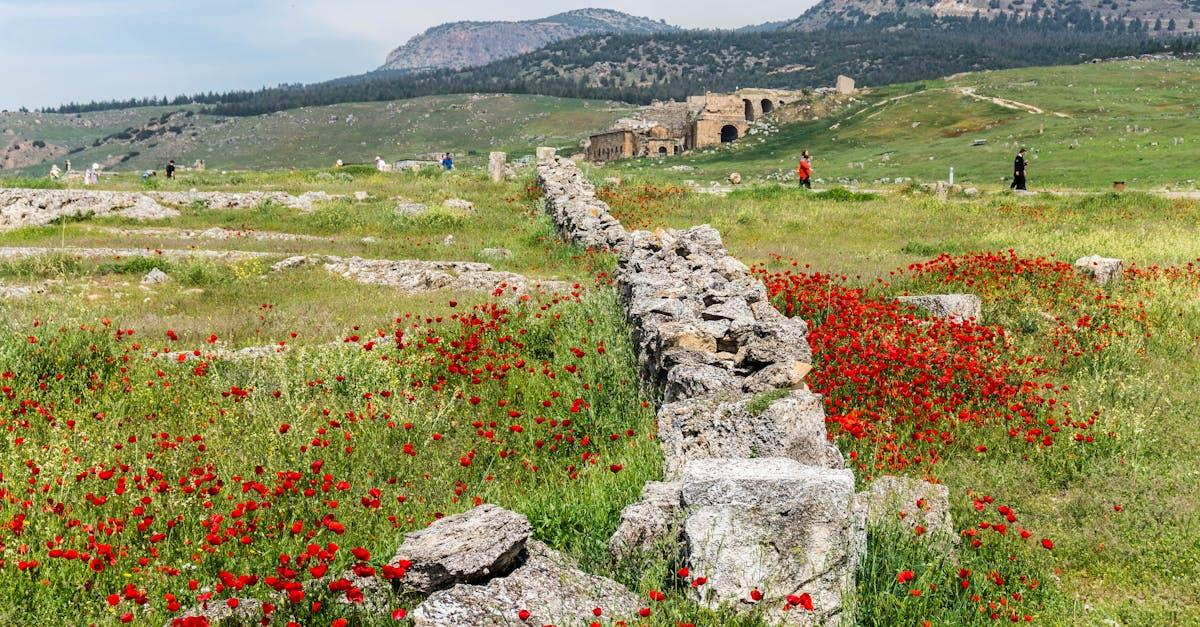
(1164, 17)
(459, 45)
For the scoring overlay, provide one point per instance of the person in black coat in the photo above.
(1018, 181)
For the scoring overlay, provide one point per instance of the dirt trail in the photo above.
(970, 92)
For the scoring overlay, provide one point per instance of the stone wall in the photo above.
(757, 495)
(39, 207)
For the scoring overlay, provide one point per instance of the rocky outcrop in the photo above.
(458, 45)
(774, 526)
(1102, 270)
(953, 307)
(471, 547)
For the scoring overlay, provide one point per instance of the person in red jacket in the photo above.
(804, 171)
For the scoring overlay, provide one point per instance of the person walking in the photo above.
(804, 171)
(171, 169)
(1018, 182)
(448, 162)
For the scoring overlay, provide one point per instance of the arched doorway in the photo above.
(662, 151)
(767, 106)
(749, 109)
(729, 133)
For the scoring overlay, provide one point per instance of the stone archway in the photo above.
(662, 151)
(767, 106)
(729, 133)
(749, 109)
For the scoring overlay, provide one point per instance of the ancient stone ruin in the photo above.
(668, 129)
(756, 492)
(39, 207)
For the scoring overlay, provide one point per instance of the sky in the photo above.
(58, 51)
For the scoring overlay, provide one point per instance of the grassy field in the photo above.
(1132, 121)
(87, 404)
(469, 126)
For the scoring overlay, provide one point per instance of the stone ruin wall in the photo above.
(759, 496)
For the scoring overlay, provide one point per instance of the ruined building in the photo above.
(667, 129)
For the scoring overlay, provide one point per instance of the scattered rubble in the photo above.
(155, 277)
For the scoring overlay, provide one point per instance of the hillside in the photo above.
(1085, 126)
(672, 66)
(468, 44)
(315, 136)
(1158, 16)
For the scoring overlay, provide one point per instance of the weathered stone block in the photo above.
(790, 427)
(1102, 270)
(472, 547)
(546, 584)
(772, 525)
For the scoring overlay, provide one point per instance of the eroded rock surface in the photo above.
(772, 525)
(546, 584)
(647, 521)
(709, 427)
(473, 547)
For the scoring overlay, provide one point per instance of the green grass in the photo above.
(470, 126)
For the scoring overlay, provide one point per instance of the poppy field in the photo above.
(143, 472)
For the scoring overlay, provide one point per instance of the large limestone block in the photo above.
(792, 427)
(472, 547)
(954, 307)
(772, 525)
(547, 585)
(1102, 270)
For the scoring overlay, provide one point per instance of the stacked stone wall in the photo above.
(754, 489)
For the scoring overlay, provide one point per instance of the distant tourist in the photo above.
(380, 164)
(92, 176)
(171, 169)
(55, 172)
(1019, 171)
(448, 162)
(337, 165)
(149, 174)
(804, 171)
